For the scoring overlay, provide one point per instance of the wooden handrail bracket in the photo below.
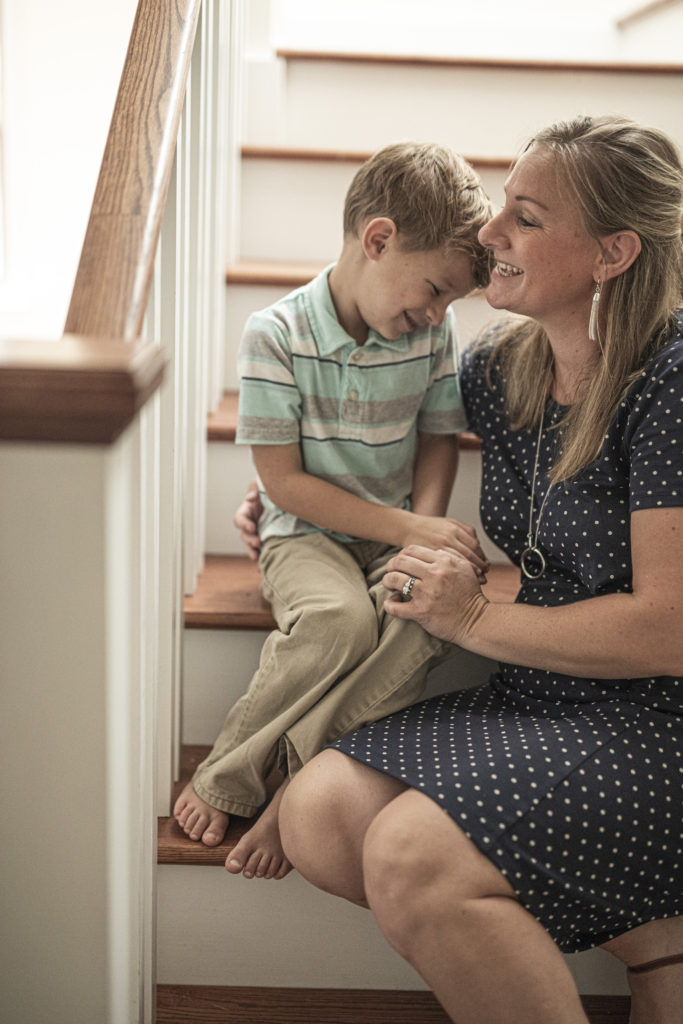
(76, 390)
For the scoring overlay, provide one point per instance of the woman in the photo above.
(561, 778)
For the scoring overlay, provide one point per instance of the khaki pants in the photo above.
(335, 662)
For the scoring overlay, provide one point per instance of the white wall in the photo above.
(61, 64)
(75, 706)
(580, 30)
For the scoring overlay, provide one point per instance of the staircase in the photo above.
(230, 949)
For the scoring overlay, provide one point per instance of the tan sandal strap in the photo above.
(652, 965)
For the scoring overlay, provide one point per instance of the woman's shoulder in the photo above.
(482, 358)
(666, 364)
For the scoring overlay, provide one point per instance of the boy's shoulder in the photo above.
(291, 320)
(300, 298)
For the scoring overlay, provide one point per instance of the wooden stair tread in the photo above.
(173, 846)
(228, 594)
(484, 63)
(216, 1004)
(180, 1004)
(222, 424)
(272, 272)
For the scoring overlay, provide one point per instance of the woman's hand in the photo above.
(246, 520)
(446, 597)
(442, 533)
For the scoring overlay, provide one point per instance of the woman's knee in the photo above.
(399, 874)
(419, 868)
(314, 809)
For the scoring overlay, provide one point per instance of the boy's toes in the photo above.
(214, 832)
(196, 826)
(191, 822)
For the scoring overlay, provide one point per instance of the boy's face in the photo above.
(405, 290)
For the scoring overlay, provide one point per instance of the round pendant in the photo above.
(532, 563)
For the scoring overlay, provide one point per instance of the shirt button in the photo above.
(353, 395)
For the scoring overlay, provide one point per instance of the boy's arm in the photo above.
(323, 504)
(436, 464)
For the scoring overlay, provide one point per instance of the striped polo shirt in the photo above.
(354, 410)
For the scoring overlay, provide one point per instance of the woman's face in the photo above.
(546, 262)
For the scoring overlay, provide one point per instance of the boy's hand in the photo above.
(437, 532)
(246, 520)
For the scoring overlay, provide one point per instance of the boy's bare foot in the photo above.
(259, 853)
(200, 820)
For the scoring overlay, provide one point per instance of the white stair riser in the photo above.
(293, 208)
(242, 301)
(217, 667)
(218, 929)
(229, 469)
(472, 313)
(480, 111)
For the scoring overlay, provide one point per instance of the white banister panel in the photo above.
(186, 314)
(99, 544)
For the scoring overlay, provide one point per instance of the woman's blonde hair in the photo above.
(433, 196)
(622, 176)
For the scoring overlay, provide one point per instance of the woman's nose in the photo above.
(491, 233)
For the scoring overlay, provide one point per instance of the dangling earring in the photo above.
(593, 322)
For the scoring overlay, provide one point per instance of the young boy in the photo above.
(350, 400)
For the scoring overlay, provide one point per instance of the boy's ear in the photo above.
(619, 251)
(377, 235)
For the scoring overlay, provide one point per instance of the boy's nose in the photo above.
(436, 311)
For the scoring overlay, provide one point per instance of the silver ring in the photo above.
(407, 588)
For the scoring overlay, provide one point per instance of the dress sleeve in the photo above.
(654, 434)
(269, 410)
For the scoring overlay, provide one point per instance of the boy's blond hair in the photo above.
(434, 197)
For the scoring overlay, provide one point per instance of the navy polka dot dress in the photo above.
(572, 787)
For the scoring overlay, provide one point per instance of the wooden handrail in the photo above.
(117, 261)
(88, 386)
(76, 390)
(484, 63)
(355, 156)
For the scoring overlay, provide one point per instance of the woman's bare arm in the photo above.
(611, 636)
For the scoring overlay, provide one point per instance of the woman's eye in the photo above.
(525, 223)
(435, 291)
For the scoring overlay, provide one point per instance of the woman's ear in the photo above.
(377, 235)
(619, 251)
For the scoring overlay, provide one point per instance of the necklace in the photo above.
(533, 560)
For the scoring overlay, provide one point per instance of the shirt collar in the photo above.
(329, 333)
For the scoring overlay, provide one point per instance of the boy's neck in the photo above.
(343, 282)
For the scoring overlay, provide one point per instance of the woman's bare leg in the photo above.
(324, 815)
(447, 910)
(656, 995)
(451, 914)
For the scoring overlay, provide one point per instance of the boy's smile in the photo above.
(379, 285)
(403, 291)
